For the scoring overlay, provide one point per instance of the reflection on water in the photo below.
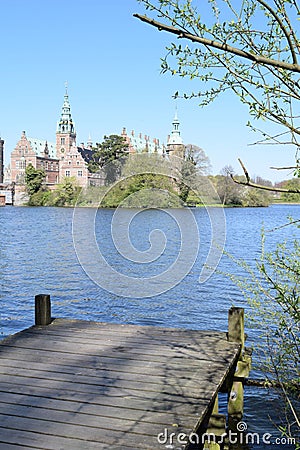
(37, 256)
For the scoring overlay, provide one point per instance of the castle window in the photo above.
(62, 141)
(68, 173)
(80, 173)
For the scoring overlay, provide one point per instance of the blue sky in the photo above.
(112, 64)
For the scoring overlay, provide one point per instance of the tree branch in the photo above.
(293, 222)
(284, 168)
(248, 182)
(220, 46)
(283, 28)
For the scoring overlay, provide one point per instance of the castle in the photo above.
(65, 158)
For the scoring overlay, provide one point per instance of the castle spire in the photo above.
(175, 144)
(175, 137)
(65, 125)
(65, 132)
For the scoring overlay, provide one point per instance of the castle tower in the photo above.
(1, 160)
(65, 133)
(175, 145)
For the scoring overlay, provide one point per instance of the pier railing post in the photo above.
(216, 429)
(42, 309)
(236, 333)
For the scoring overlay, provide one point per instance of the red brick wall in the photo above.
(73, 165)
(21, 157)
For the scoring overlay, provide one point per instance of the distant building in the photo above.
(59, 160)
(7, 175)
(1, 160)
(175, 144)
(65, 158)
(73, 160)
(139, 143)
(7, 189)
(35, 152)
(2, 199)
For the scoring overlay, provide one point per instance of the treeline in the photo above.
(65, 193)
(234, 194)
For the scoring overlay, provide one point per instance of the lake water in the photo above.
(37, 255)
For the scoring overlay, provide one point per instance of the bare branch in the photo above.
(293, 222)
(284, 168)
(249, 183)
(220, 46)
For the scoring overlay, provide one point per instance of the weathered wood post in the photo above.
(236, 333)
(42, 309)
(216, 429)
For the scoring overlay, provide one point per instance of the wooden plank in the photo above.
(85, 433)
(107, 360)
(109, 410)
(28, 439)
(13, 446)
(196, 339)
(41, 367)
(220, 353)
(91, 330)
(170, 366)
(169, 404)
(14, 412)
(125, 349)
(207, 352)
(174, 336)
(105, 364)
(108, 378)
(149, 330)
(119, 389)
(107, 334)
(12, 366)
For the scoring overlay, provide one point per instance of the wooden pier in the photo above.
(86, 385)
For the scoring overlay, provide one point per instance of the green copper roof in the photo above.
(65, 124)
